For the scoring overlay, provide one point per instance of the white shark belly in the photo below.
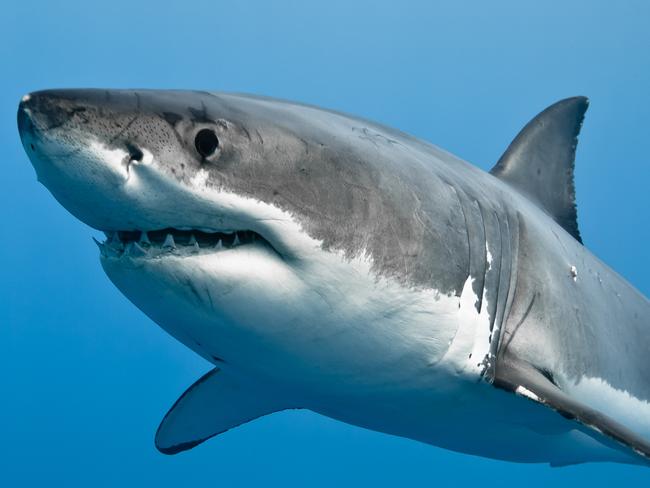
(474, 418)
(366, 324)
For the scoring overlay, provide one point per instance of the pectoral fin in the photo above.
(217, 402)
(526, 380)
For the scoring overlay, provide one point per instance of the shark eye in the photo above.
(206, 142)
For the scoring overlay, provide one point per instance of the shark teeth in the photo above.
(179, 242)
(100, 246)
(136, 250)
(144, 238)
(115, 242)
(169, 243)
(111, 252)
(194, 245)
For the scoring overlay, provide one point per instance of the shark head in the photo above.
(250, 228)
(127, 161)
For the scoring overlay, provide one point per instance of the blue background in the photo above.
(85, 377)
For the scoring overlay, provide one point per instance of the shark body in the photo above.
(326, 262)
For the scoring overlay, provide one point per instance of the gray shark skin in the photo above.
(326, 262)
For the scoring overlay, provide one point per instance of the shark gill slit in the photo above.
(504, 274)
(512, 286)
(468, 272)
(504, 295)
(496, 276)
(469, 240)
(485, 257)
(495, 345)
(493, 267)
(497, 270)
(479, 254)
(476, 250)
(499, 259)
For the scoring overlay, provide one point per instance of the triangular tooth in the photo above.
(236, 242)
(116, 242)
(195, 247)
(144, 238)
(102, 247)
(137, 250)
(169, 242)
(111, 252)
(218, 245)
(192, 240)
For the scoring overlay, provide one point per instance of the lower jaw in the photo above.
(212, 302)
(161, 256)
(133, 252)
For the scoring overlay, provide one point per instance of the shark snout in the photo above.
(44, 111)
(71, 138)
(51, 124)
(32, 127)
(26, 125)
(103, 113)
(33, 120)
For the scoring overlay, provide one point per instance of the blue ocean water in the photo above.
(86, 377)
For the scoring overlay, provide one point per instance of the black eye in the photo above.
(206, 142)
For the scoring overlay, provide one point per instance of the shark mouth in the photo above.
(175, 242)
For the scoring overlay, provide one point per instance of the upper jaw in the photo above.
(153, 202)
(187, 224)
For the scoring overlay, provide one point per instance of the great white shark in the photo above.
(326, 262)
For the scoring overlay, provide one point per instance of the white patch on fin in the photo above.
(620, 405)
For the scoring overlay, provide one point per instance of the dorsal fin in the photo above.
(539, 162)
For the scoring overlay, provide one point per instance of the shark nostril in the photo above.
(135, 154)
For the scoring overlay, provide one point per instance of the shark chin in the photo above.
(241, 305)
(322, 261)
(207, 298)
